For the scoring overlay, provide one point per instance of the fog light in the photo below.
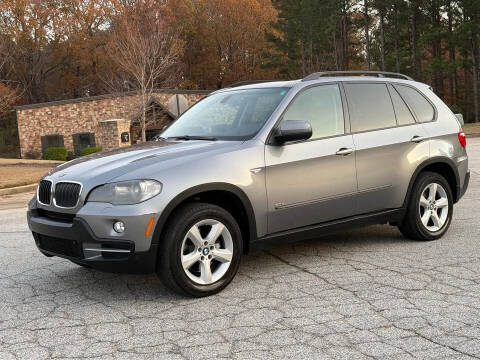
(119, 227)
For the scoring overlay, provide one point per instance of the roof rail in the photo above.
(249, 82)
(318, 75)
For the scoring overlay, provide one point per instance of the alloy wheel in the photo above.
(207, 251)
(433, 207)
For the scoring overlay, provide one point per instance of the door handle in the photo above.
(418, 139)
(344, 151)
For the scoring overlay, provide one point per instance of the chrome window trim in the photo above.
(68, 182)
(51, 192)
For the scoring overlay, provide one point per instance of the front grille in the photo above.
(63, 217)
(66, 194)
(44, 192)
(71, 248)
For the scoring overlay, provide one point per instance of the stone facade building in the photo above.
(108, 121)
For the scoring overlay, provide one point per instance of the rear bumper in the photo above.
(74, 240)
(462, 190)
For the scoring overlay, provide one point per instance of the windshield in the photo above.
(232, 115)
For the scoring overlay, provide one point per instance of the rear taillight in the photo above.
(462, 138)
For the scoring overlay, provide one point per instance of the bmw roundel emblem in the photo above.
(205, 251)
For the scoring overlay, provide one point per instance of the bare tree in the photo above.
(144, 47)
(8, 93)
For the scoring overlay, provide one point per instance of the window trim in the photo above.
(435, 111)
(392, 127)
(346, 115)
(390, 89)
(391, 102)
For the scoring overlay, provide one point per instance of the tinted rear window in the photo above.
(370, 107)
(403, 114)
(423, 110)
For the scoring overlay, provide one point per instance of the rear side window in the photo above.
(370, 107)
(423, 110)
(403, 114)
(322, 107)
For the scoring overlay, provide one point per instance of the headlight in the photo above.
(126, 192)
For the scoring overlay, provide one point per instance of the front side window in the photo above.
(370, 107)
(322, 107)
(423, 110)
(230, 115)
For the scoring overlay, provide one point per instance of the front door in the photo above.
(312, 181)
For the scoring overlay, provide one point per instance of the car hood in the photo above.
(105, 166)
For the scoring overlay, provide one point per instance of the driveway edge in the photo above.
(18, 189)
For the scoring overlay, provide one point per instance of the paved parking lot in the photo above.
(362, 294)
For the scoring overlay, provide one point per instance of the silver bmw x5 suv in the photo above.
(258, 163)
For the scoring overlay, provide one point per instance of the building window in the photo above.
(82, 141)
(52, 140)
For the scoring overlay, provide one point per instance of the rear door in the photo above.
(312, 181)
(389, 144)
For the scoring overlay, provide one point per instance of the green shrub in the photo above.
(55, 153)
(90, 150)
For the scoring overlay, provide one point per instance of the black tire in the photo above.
(169, 267)
(412, 226)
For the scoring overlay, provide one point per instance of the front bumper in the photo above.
(73, 239)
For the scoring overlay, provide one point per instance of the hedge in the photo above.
(55, 153)
(90, 150)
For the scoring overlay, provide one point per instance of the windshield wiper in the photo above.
(193, 137)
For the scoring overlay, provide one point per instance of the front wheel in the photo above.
(200, 253)
(430, 209)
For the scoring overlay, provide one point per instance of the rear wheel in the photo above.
(200, 253)
(430, 209)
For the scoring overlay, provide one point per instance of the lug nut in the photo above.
(202, 258)
(205, 243)
(199, 249)
(209, 256)
(211, 247)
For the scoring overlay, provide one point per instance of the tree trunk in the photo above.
(304, 69)
(475, 74)
(345, 41)
(451, 54)
(397, 56)
(414, 40)
(382, 37)
(367, 35)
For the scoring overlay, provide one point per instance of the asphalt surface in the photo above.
(361, 294)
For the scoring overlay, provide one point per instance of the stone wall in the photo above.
(83, 115)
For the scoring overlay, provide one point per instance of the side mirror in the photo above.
(292, 130)
(460, 119)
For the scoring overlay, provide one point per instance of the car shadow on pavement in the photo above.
(259, 264)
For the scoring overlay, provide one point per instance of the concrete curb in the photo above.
(18, 189)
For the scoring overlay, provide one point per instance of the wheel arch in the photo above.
(441, 165)
(227, 196)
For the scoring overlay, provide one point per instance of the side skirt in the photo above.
(317, 230)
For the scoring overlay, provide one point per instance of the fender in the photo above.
(201, 189)
(423, 165)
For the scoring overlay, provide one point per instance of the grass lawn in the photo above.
(17, 175)
(472, 129)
